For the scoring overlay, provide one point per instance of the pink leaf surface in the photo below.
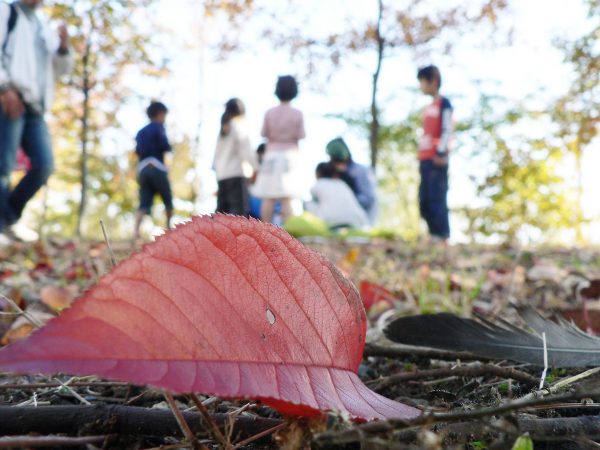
(223, 306)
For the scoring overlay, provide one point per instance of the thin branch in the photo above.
(216, 432)
(401, 351)
(429, 418)
(54, 385)
(49, 441)
(463, 371)
(185, 428)
(110, 251)
(122, 420)
(35, 322)
(259, 435)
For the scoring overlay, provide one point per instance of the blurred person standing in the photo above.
(434, 149)
(232, 155)
(279, 178)
(32, 55)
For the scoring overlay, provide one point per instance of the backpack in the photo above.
(12, 22)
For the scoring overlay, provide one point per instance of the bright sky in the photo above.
(199, 86)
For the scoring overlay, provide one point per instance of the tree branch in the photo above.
(127, 420)
(463, 371)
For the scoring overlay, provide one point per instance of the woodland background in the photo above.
(519, 164)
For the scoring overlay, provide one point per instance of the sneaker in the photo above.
(23, 233)
(5, 240)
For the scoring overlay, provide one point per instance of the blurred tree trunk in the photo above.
(375, 124)
(84, 135)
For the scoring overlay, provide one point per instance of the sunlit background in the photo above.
(517, 63)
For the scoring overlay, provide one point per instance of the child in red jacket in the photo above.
(433, 155)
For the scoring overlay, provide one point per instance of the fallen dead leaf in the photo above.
(57, 298)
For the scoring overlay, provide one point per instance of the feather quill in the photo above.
(567, 345)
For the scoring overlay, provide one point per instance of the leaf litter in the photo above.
(412, 279)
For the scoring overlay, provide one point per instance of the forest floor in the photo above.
(488, 404)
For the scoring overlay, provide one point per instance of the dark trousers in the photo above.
(152, 181)
(29, 131)
(233, 197)
(433, 193)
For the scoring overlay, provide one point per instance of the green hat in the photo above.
(338, 150)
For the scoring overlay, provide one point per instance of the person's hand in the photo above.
(440, 161)
(11, 104)
(63, 35)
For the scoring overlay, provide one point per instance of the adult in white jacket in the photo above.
(31, 56)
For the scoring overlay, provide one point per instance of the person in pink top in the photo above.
(279, 178)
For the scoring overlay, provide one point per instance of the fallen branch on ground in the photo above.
(358, 432)
(463, 371)
(128, 420)
(401, 351)
(49, 441)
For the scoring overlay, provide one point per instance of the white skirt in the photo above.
(280, 175)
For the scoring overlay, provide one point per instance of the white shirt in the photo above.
(18, 64)
(336, 204)
(234, 153)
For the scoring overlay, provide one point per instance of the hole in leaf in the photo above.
(270, 317)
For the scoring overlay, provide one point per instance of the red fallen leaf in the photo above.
(224, 306)
(592, 291)
(41, 268)
(6, 274)
(587, 319)
(372, 293)
(22, 326)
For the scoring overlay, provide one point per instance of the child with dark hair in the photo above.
(152, 144)
(279, 179)
(233, 157)
(333, 200)
(433, 155)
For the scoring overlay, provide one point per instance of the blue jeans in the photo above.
(433, 198)
(30, 132)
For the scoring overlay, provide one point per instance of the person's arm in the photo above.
(265, 128)
(301, 131)
(165, 146)
(4, 15)
(365, 187)
(137, 144)
(445, 129)
(63, 59)
(245, 150)
(314, 192)
(10, 101)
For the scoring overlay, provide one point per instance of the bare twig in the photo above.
(543, 377)
(216, 432)
(182, 423)
(110, 251)
(400, 351)
(561, 384)
(463, 371)
(72, 392)
(259, 435)
(429, 418)
(35, 322)
(170, 447)
(122, 420)
(59, 384)
(49, 441)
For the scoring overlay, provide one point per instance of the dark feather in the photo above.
(567, 345)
